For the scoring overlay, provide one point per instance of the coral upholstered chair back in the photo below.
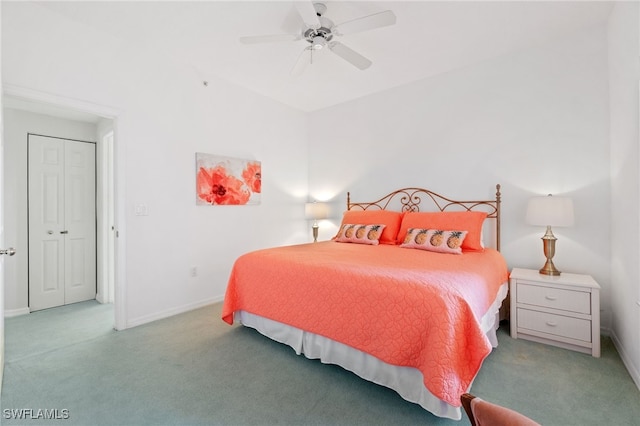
(483, 413)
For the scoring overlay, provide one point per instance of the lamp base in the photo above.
(315, 232)
(549, 246)
(549, 268)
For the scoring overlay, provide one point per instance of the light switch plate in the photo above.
(141, 210)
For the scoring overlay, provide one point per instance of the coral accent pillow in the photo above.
(359, 233)
(435, 240)
(390, 220)
(468, 221)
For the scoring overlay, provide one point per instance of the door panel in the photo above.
(46, 220)
(50, 267)
(51, 208)
(80, 222)
(62, 222)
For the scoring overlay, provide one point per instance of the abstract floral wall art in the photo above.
(227, 181)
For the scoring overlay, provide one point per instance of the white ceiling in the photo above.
(429, 38)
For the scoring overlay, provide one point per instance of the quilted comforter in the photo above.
(406, 307)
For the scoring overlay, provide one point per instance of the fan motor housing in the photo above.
(323, 32)
(312, 34)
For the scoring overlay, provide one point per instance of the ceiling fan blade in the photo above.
(308, 13)
(350, 55)
(377, 20)
(274, 38)
(303, 61)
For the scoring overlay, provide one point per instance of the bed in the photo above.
(407, 295)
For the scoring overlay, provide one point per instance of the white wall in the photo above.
(17, 124)
(166, 115)
(624, 72)
(535, 122)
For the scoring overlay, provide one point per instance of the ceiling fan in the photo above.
(320, 32)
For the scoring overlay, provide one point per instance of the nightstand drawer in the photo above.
(556, 298)
(557, 325)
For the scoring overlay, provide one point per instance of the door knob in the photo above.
(10, 251)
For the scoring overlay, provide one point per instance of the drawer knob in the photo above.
(552, 323)
(551, 297)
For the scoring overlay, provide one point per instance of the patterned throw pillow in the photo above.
(359, 233)
(435, 240)
(470, 221)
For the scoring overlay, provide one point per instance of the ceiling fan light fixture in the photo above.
(318, 42)
(319, 32)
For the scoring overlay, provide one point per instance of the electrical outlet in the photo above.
(193, 271)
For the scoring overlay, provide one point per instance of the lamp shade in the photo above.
(550, 211)
(316, 210)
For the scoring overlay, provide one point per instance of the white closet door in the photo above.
(62, 249)
(80, 221)
(46, 222)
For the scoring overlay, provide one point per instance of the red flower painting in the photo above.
(252, 176)
(227, 181)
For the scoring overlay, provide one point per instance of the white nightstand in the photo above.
(559, 310)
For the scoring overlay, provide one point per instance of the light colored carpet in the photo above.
(194, 369)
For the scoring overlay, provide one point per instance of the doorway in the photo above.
(62, 221)
(109, 258)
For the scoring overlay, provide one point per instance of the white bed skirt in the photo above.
(407, 381)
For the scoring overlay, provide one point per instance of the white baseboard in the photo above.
(173, 311)
(8, 313)
(626, 360)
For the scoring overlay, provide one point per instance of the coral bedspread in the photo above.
(406, 307)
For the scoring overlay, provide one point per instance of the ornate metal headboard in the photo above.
(410, 200)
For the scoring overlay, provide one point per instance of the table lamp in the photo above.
(550, 211)
(316, 211)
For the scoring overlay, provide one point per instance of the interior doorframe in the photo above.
(118, 167)
(106, 221)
